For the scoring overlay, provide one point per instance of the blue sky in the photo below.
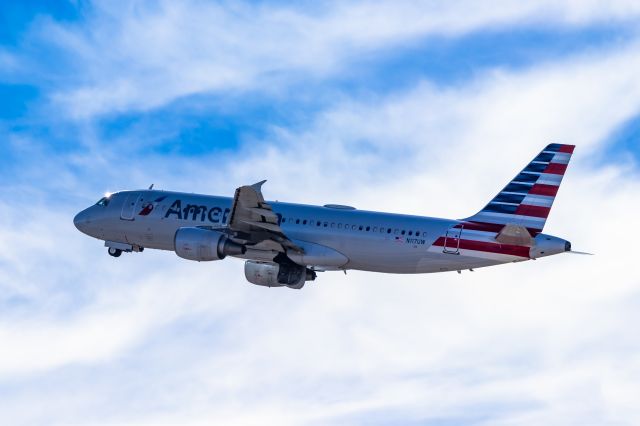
(420, 107)
(203, 122)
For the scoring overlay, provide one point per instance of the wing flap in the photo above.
(253, 220)
(267, 214)
(264, 225)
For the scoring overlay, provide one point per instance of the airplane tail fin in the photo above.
(527, 199)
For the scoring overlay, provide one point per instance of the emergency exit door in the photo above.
(452, 241)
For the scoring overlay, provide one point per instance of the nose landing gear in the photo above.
(115, 249)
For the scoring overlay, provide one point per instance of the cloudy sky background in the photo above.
(420, 107)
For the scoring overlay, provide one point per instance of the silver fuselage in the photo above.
(371, 241)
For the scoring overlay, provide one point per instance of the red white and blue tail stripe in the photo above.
(528, 198)
(524, 203)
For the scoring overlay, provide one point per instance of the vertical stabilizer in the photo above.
(526, 201)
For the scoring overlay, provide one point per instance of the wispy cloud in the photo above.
(140, 56)
(153, 339)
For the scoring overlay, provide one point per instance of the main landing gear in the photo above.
(114, 252)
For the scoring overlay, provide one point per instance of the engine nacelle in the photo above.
(204, 245)
(277, 275)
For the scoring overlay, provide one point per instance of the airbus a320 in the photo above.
(286, 244)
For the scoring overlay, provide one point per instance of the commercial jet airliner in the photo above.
(286, 244)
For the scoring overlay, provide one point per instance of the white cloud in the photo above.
(166, 341)
(137, 56)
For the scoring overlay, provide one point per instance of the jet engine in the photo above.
(277, 274)
(203, 245)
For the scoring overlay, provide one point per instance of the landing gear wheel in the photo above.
(114, 252)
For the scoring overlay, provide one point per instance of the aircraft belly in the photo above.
(387, 254)
(398, 257)
(418, 263)
(381, 255)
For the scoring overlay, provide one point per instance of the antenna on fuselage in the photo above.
(151, 187)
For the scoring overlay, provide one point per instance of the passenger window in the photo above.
(360, 228)
(297, 221)
(396, 231)
(304, 222)
(284, 219)
(353, 227)
(389, 231)
(325, 224)
(375, 229)
(318, 223)
(368, 227)
(339, 226)
(333, 225)
(410, 232)
(402, 232)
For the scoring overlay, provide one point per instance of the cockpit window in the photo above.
(104, 201)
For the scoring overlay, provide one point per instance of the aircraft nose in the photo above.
(80, 221)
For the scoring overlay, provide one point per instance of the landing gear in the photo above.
(115, 249)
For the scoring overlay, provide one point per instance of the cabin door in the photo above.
(452, 240)
(129, 207)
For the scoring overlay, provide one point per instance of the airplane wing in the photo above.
(253, 221)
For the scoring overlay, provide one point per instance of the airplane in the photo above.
(286, 244)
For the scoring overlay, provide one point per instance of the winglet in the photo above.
(258, 185)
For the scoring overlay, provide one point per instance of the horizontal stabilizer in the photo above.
(515, 235)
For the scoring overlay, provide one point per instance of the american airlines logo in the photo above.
(197, 212)
(149, 206)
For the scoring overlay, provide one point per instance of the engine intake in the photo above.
(277, 274)
(205, 245)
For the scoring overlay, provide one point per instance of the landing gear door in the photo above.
(129, 207)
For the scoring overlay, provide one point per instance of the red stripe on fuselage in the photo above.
(506, 249)
(556, 168)
(542, 189)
